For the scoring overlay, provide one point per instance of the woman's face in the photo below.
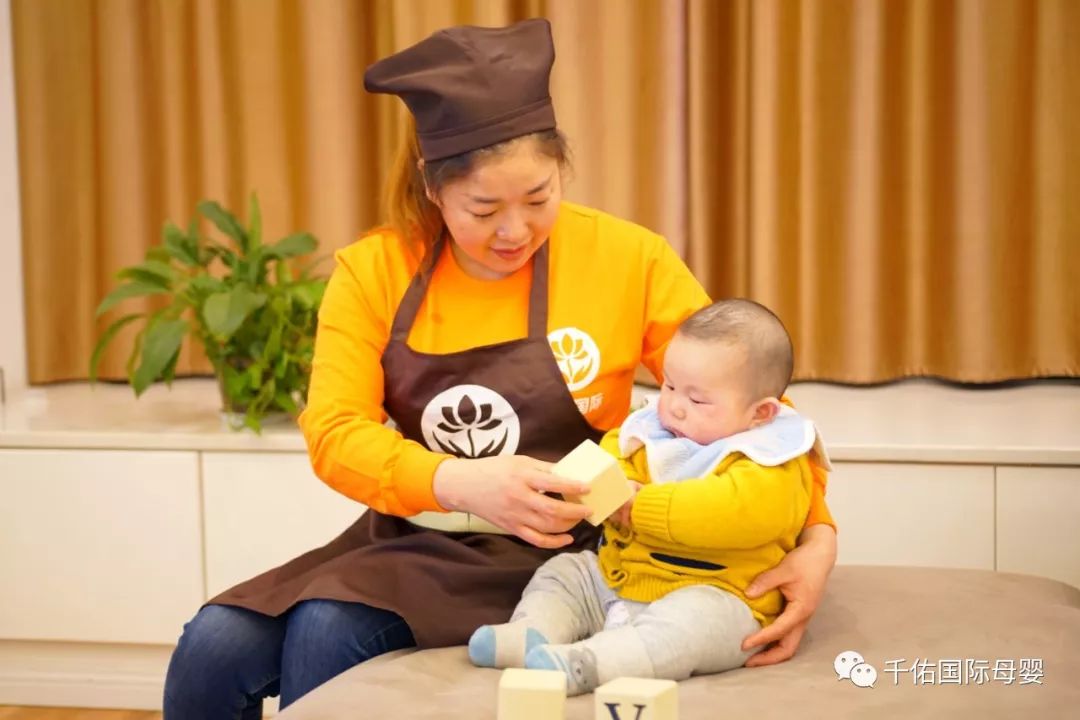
(501, 212)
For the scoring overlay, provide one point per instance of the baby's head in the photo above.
(724, 371)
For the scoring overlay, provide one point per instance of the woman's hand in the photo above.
(508, 490)
(801, 577)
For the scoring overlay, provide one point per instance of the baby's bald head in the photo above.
(757, 332)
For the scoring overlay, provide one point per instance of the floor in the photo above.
(8, 712)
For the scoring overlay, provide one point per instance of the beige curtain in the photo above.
(898, 179)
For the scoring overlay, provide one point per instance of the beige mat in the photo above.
(886, 614)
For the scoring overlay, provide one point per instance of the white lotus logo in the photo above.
(470, 421)
(577, 355)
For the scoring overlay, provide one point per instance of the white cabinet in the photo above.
(118, 518)
(99, 546)
(913, 514)
(262, 509)
(1038, 521)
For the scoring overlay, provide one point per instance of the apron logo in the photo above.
(470, 421)
(577, 355)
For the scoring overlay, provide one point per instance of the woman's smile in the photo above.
(510, 255)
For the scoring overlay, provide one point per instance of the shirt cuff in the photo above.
(413, 478)
(819, 514)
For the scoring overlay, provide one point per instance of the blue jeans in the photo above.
(229, 659)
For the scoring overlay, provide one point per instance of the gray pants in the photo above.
(695, 630)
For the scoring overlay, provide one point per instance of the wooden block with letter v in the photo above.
(532, 695)
(637, 699)
(608, 487)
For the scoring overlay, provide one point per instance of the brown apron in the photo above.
(508, 398)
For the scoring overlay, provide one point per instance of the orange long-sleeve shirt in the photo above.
(616, 282)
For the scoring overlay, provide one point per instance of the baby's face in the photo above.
(704, 396)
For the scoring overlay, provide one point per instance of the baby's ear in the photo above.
(764, 411)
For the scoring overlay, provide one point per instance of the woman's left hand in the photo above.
(801, 578)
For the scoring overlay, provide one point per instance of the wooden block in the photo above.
(608, 487)
(637, 699)
(532, 695)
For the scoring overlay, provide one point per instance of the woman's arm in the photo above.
(351, 449)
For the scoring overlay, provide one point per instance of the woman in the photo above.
(498, 327)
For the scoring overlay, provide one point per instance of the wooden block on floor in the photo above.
(608, 487)
(532, 695)
(637, 699)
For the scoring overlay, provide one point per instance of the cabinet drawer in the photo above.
(1038, 520)
(99, 545)
(264, 509)
(913, 514)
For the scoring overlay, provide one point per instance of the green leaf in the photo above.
(180, 246)
(235, 383)
(293, 245)
(252, 422)
(226, 222)
(162, 342)
(206, 284)
(151, 272)
(253, 271)
(136, 352)
(225, 312)
(284, 273)
(228, 257)
(169, 373)
(254, 222)
(132, 289)
(285, 402)
(266, 395)
(308, 294)
(202, 250)
(105, 339)
(273, 344)
(158, 253)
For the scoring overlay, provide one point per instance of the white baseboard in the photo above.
(86, 675)
(81, 691)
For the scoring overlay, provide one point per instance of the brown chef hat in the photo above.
(470, 87)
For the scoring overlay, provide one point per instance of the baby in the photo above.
(723, 482)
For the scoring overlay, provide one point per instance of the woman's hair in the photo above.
(410, 212)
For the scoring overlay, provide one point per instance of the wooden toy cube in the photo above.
(608, 487)
(532, 695)
(637, 699)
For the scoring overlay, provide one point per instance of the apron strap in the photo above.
(414, 294)
(538, 293)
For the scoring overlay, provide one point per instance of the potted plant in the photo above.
(254, 316)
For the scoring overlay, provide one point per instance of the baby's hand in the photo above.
(621, 518)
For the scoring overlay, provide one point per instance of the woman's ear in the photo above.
(764, 411)
(427, 191)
